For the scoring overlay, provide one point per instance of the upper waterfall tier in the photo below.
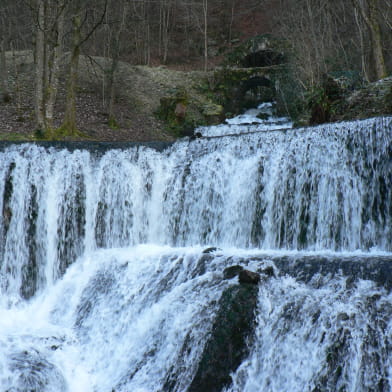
(327, 187)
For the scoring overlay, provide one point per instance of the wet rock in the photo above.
(231, 272)
(201, 265)
(268, 271)
(246, 276)
(227, 347)
(210, 250)
(195, 136)
(343, 317)
(7, 215)
(250, 277)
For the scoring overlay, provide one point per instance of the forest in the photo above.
(348, 39)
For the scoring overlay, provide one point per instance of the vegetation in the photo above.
(303, 42)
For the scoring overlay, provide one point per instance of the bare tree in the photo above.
(48, 16)
(370, 11)
(115, 51)
(4, 33)
(205, 32)
(40, 65)
(5, 93)
(166, 11)
(12, 36)
(79, 16)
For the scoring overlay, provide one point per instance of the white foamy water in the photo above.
(137, 319)
(85, 306)
(118, 319)
(324, 336)
(257, 119)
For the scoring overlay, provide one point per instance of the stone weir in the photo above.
(92, 146)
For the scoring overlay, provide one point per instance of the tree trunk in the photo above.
(205, 14)
(232, 13)
(114, 66)
(362, 45)
(165, 33)
(369, 15)
(375, 33)
(69, 124)
(53, 80)
(40, 67)
(5, 94)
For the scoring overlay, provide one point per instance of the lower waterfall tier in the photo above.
(152, 319)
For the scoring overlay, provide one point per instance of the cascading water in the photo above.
(105, 287)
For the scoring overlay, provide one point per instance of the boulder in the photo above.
(250, 277)
(213, 113)
(246, 276)
(232, 272)
(210, 250)
(268, 271)
(228, 343)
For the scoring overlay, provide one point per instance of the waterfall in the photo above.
(106, 284)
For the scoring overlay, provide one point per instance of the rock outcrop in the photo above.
(227, 346)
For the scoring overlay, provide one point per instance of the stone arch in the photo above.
(255, 90)
(263, 58)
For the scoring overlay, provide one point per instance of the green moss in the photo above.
(388, 100)
(213, 113)
(15, 137)
(59, 134)
(181, 112)
(113, 123)
(39, 134)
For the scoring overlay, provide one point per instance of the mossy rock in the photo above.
(183, 112)
(373, 99)
(213, 113)
(59, 134)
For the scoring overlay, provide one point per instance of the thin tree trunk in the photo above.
(112, 91)
(205, 13)
(375, 32)
(166, 27)
(160, 31)
(373, 25)
(69, 124)
(148, 48)
(56, 55)
(3, 75)
(361, 41)
(231, 21)
(40, 67)
(114, 67)
(17, 88)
